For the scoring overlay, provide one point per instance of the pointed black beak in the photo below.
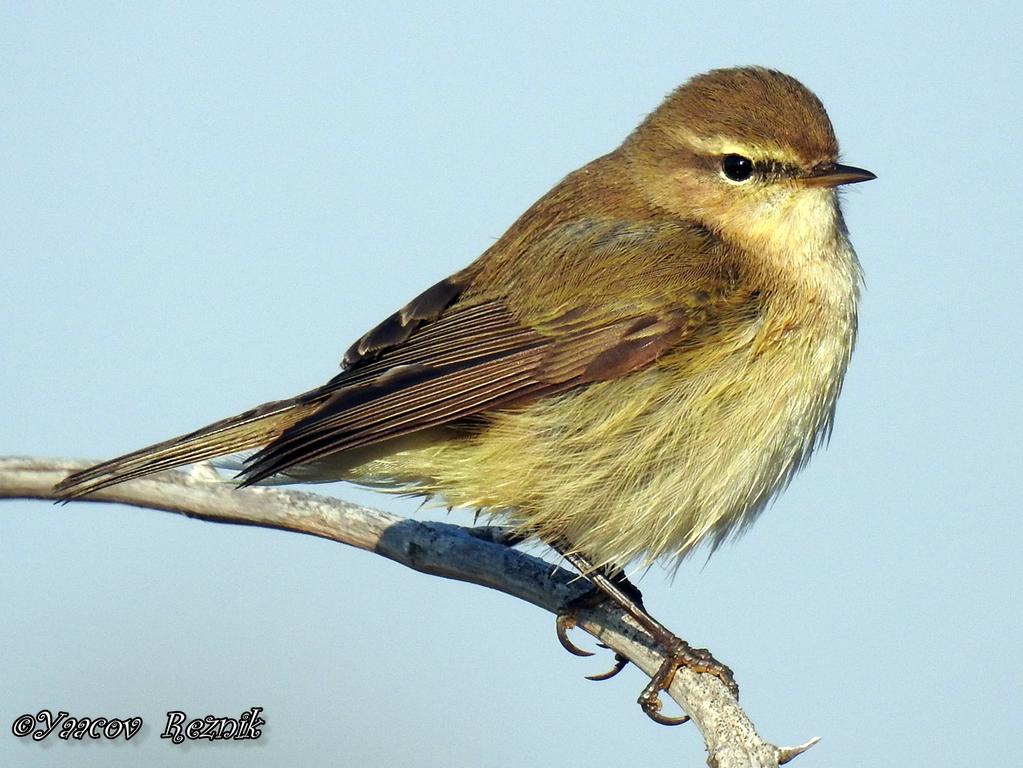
(833, 174)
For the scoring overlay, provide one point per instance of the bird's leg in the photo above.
(615, 586)
(679, 652)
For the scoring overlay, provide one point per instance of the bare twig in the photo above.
(476, 555)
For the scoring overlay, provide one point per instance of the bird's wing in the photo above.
(474, 358)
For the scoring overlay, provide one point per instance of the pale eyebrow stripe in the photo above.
(720, 145)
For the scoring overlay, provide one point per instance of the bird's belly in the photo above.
(639, 468)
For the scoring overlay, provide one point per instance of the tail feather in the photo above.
(252, 429)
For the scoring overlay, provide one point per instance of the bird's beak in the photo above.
(833, 174)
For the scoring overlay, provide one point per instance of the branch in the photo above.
(475, 555)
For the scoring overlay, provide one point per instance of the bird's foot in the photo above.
(680, 654)
(591, 599)
(618, 589)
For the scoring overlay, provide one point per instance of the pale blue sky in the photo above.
(202, 206)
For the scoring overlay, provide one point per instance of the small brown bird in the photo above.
(635, 367)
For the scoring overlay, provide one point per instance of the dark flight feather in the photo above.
(474, 359)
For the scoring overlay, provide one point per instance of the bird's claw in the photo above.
(620, 663)
(650, 699)
(564, 623)
(652, 708)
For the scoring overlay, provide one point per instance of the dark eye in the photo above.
(737, 167)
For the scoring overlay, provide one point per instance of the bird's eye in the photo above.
(736, 167)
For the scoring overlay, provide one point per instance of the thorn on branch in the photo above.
(786, 754)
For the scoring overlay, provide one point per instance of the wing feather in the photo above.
(254, 428)
(470, 361)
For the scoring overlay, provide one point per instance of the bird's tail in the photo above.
(254, 428)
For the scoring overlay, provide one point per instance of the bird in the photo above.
(632, 370)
